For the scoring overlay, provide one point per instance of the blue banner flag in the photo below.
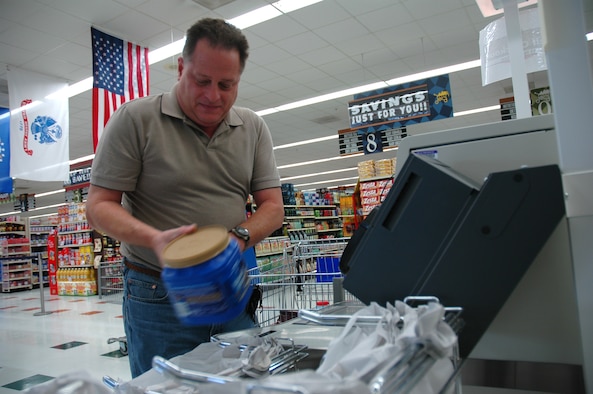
(5, 178)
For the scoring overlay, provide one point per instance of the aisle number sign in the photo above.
(353, 141)
(381, 116)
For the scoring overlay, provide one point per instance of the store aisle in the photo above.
(72, 336)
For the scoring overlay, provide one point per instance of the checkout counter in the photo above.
(503, 256)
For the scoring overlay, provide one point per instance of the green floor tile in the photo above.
(29, 382)
(68, 345)
(114, 354)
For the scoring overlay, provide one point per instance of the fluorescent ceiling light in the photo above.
(270, 11)
(323, 98)
(496, 7)
(50, 193)
(244, 21)
(306, 142)
(319, 173)
(80, 87)
(165, 52)
(326, 181)
(23, 108)
(48, 206)
(287, 6)
(43, 215)
(330, 187)
(81, 159)
(254, 17)
(304, 163)
(477, 110)
(372, 86)
(435, 72)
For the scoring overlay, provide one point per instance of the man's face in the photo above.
(208, 84)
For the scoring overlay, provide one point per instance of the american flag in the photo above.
(120, 74)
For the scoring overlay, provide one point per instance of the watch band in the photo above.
(242, 233)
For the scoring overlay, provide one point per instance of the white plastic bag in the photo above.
(364, 349)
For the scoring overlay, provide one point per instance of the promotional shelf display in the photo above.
(349, 214)
(15, 254)
(375, 180)
(373, 192)
(52, 261)
(76, 270)
(39, 232)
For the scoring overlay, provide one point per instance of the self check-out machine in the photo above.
(476, 217)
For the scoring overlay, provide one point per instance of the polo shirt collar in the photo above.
(169, 105)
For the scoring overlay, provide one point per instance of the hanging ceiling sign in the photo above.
(79, 176)
(353, 141)
(397, 106)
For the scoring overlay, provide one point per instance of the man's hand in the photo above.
(164, 237)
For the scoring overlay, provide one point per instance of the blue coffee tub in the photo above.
(205, 277)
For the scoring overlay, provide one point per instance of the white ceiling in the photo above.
(323, 48)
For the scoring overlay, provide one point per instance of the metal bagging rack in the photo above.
(400, 375)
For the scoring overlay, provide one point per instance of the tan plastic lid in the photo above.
(195, 248)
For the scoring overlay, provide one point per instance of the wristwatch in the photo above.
(242, 233)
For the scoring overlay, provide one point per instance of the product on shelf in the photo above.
(372, 193)
(384, 167)
(369, 169)
(366, 169)
(74, 253)
(15, 254)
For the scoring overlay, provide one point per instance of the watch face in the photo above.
(241, 232)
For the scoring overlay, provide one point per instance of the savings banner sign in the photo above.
(393, 107)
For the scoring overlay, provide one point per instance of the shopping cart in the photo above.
(111, 281)
(306, 277)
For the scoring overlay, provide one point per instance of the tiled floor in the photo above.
(43, 338)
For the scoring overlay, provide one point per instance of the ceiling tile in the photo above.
(322, 48)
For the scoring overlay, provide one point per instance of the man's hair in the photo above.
(219, 33)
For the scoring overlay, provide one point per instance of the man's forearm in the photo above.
(266, 219)
(112, 219)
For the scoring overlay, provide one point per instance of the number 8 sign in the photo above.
(372, 142)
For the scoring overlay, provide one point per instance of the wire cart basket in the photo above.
(307, 276)
(111, 281)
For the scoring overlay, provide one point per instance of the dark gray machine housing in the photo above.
(440, 234)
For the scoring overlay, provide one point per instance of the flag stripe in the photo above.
(95, 106)
(120, 74)
(139, 70)
(131, 70)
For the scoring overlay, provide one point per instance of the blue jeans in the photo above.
(152, 328)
